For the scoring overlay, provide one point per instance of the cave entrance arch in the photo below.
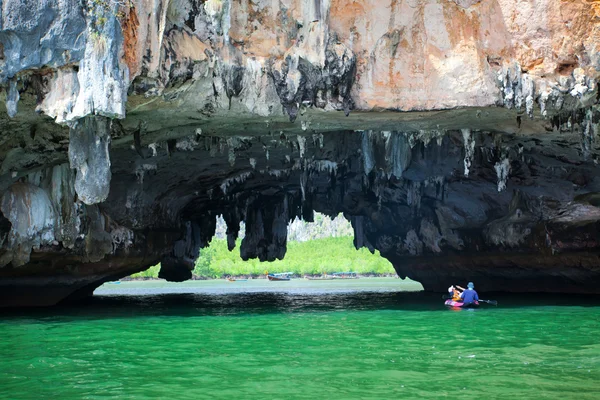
(324, 246)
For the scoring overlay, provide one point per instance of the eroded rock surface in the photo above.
(459, 137)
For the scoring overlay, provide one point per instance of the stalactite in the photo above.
(266, 229)
(360, 238)
(469, 145)
(301, 145)
(89, 145)
(502, 169)
(367, 152)
(239, 179)
(588, 134)
(398, 154)
(232, 217)
(12, 99)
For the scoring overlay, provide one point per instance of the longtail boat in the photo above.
(284, 276)
(230, 279)
(319, 278)
(344, 275)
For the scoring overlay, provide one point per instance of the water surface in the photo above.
(317, 344)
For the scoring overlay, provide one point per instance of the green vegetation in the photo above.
(100, 11)
(151, 272)
(313, 257)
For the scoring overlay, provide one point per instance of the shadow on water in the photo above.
(128, 306)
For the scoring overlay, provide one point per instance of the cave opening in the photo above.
(323, 246)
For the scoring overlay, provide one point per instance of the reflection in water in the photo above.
(281, 302)
(258, 345)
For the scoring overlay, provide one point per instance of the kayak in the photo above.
(460, 304)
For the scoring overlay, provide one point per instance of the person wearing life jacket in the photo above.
(469, 295)
(454, 292)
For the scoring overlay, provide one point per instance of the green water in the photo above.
(290, 345)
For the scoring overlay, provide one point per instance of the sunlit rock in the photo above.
(458, 137)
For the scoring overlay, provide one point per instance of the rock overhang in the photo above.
(456, 150)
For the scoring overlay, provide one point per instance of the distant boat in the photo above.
(344, 275)
(284, 276)
(236, 280)
(114, 282)
(319, 278)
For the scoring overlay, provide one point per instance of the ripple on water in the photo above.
(294, 346)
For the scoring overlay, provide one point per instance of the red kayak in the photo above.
(460, 304)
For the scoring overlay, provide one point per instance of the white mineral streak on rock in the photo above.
(253, 163)
(60, 100)
(30, 212)
(303, 180)
(318, 140)
(152, 17)
(512, 86)
(241, 178)
(142, 169)
(310, 47)
(386, 137)
(528, 93)
(277, 173)
(398, 154)
(12, 99)
(580, 87)
(427, 136)
(324, 165)
(103, 78)
(315, 32)
(589, 132)
(543, 98)
(219, 12)
(121, 237)
(301, 145)
(412, 138)
(258, 93)
(502, 170)
(153, 147)
(469, 143)
(518, 89)
(186, 144)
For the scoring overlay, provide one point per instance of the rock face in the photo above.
(459, 137)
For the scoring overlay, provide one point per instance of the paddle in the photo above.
(492, 302)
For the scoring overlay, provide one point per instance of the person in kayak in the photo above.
(469, 295)
(454, 292)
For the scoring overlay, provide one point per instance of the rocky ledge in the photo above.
(459, 137)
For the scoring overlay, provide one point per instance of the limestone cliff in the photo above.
(459, 137)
